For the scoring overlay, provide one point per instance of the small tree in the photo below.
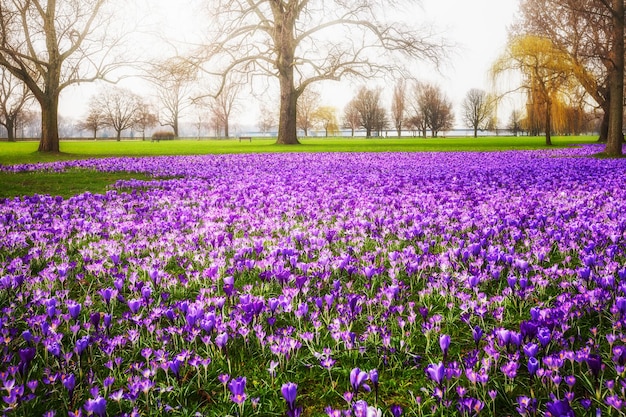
(120, 108)
(515, 122)
(351, 117)
(326, 117)
(307, 105)
(434, 109)
(371, 113)
(398, 105)
(478, 110)
(267, 120)
(13, 97)
(94, 120)
(145, 118)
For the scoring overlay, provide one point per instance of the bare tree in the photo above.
(478, 110)
(50, 45)
(13, 97)
(119, 108)
(297, 42)
(174, 81)
(416, 117)
(398, 105)
(591, 32)
(434, 109)
(515, 122)
(94, 120)
(351, 117)
(145, 118)
(223, 106)
(267, 120)
(307, 104)
(371, 113)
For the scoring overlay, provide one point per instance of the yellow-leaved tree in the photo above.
(547, 77)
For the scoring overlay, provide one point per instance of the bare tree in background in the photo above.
(303, 42)
(434, 109)
(223, 106)
(174, 81)
(351, 117)
(13, 97)
(478, 110)
(119, 108)
(51, 45)
(307, 104)
(267, 120)
(416, 117)
(515, 122)
(371, 113)
(398, 105)
(145, 118)
(591, 32)
(94, 120)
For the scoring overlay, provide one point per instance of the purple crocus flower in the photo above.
(444, 344)
(237, 388)
(74, 310)
(360, 408)
(290, 391)
(396, 410)
(594, 362)
(559, 408)
(533, 366)
(436, 372)
(357, 380)
(477, 334)
(134, 305)
(96, 406)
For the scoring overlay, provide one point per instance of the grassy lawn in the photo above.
(76, 181)
(26, 152)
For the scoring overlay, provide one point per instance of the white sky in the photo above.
(478, 28)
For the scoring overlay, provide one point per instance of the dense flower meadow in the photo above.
(406, 284)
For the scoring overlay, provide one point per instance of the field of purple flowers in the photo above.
(461, 284)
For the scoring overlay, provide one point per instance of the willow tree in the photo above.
(301, 42)
(546, 72)
(591, 32)
(51, 45)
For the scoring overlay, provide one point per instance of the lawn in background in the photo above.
(25, 152)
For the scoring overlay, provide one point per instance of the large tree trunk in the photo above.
(10, 126)
(616, 83)
(226, 129)
(287, 132)
(49, 124)
(548, 123)
(475, 132)
(604, 126)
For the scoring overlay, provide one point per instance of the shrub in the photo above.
(163, 135)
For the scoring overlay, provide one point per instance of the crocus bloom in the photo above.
(559, 408)
(290, 391)
(444, 344)
(96, 406)
(533, 365)
(237, 388)
(357, 379)
(436, 372)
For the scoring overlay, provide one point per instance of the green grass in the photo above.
(26, 152)
(64, 184)
(73, 182)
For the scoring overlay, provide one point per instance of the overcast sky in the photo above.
(478, 28)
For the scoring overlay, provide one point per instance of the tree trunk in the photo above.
(287, 132)
(548, 123)
(475, 132)
(616, 83)
(119, 135)
(604, 126)
(49, 124)
(226, 129)
(10, 126)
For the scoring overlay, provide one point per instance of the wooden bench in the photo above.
(245, 138)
